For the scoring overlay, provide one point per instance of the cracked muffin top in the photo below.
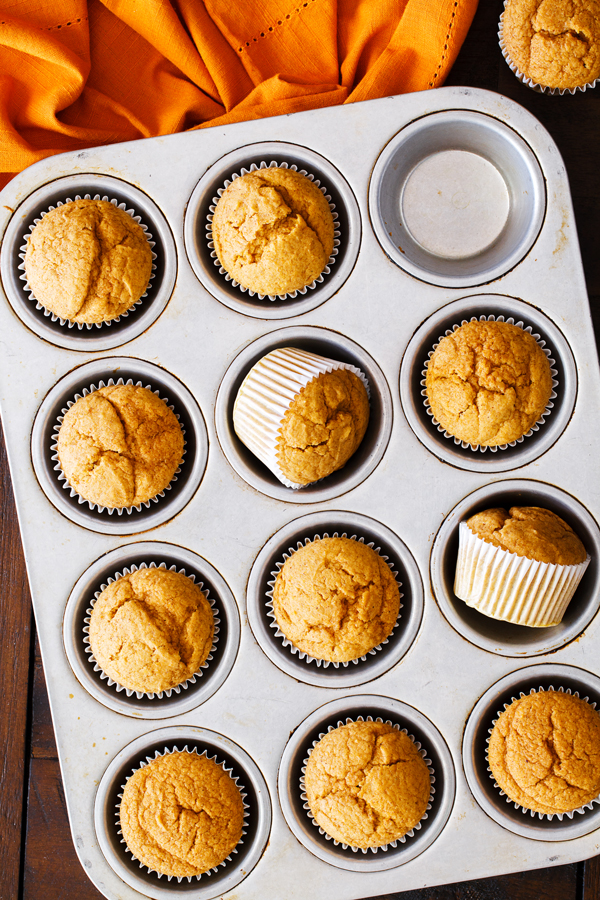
(182, 814)
(336, 599)
(88, 261)
(151, 630)
(119, 446)
(367, 784)
(273, 231)
(323, 426)
(556, 43)
(531, 532)
(544, 752)
(488, 382)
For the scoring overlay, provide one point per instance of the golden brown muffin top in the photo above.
(531, 532)
(151, 630)
(88, 261)
(336, 599)
(323, 426)
(367, 784)
(556, 43)
(120, 445)
(488, 383)
(273, 230)
(544, 752)
(182, 814)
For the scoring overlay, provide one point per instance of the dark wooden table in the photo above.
(37, 858)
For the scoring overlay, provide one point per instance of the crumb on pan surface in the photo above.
(151, 630)
(88, 261)
(488, 382)
(556, 43)
(544, 752)
(273, 231)
(323, 426)
(366, 784)
(336, 599)
(531, 532)
(119, 446)
(182, 814)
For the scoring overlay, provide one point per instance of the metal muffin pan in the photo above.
(108, 335)
(226, 516)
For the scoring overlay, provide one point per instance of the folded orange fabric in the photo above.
(78, 73)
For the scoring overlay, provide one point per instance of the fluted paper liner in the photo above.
(502, 585)
(165, 752)
(524, 810)
(150, 695)
(266, 394)
(68, 322)
(287, 642)
(383, 847)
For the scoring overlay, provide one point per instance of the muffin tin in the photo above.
(387, 299)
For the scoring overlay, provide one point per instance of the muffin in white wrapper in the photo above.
(266, 394)
(502, 585)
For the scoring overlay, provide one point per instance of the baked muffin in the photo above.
(544, 752)
(335, 599)
(273, 231)
(488, 382)
(521, 566)
(88, 261)
(119, 446)
(151, 630)
(182, 814)
(367, 784)
(554, 43)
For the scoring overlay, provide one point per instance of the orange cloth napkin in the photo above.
(78, 73)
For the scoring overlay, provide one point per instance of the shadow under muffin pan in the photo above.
(332, 714)
(331, 345)
(474, 750)
(198, 209)
(399, 558)
(108, 335)
(257, 827)
(457, 198)
(451, 450)
(183, 485)
(223, 656)
(494, 635)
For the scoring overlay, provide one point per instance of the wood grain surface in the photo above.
(37, 857)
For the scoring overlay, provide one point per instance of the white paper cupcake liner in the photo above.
(502, 585)
(534, 85)
(524, 810)
(535, 427)
(150, 695)
(63, 478)
(228, 859)
(265, 396)
(287, 642)
(336, 233)
(47, 312)
(384, 847)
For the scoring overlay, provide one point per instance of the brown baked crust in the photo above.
(151, 630)
(323, 426)
(119, 446)
(544, 752)
(88, 261)
(336, 599)
(488, 383)
(273, 230)
(556, 43)
(531, 532)
(182, 814)
(366, 784)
